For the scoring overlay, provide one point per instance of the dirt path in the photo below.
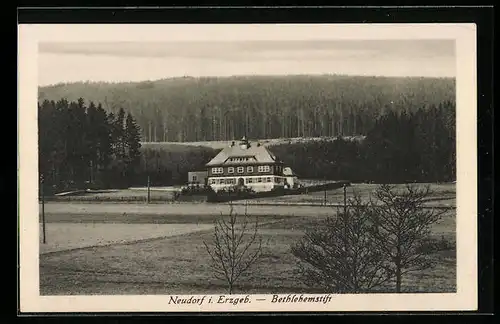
(183, 209)
(71, 236)
(62, 237)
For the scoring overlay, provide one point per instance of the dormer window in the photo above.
(239, 159)
(217, 170)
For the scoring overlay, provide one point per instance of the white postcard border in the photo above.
(465, 35)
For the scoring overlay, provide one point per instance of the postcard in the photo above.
(247, 168)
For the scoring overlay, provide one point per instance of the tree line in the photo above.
(169, 164)
(400, 147)
(224, 108)
(82, 146)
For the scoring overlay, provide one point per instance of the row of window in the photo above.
(261, 168)
(258, 180)
(239, 159)
(232, 181)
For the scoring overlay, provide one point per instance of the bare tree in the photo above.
(235, 247)
(339, 254)
(402, 228)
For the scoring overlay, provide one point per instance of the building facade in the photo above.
(245, 164)
(198, 177)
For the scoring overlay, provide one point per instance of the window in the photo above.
(239, 159)
(194, 178)
(230, 170)
(249, 169)
(263, 168)
(268, 179)
(259, 179)
(212, 181)
(249, 180)
(240, 169)
(217, 170)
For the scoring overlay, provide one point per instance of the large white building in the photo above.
(246, 164)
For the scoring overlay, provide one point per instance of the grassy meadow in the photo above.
(443, 195)
(218, 145)
(158, 249)
(178, 264)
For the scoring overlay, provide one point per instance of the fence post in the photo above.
(345, 199)
(43, 210)
(149, 193)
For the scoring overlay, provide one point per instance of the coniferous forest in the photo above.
(222, 108)
(82, 146)
(400, 147)
(408, 125)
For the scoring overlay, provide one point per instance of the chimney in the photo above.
(244, 144)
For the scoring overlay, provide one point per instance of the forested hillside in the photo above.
(401, 147)
(211, 108)
(81, 146)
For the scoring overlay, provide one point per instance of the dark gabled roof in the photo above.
(287, 171)
(258, 154)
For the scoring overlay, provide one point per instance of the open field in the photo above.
(266, 142)
(443, 195)
(128, 249)
(70, 236)
(67, 211)
(132, 194)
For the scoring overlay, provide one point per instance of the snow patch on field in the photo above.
(265, 142)
(69, 236)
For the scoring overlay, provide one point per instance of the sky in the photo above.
(139, 61)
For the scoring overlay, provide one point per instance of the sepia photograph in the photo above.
(250, 167)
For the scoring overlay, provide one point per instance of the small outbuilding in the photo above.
(198, 177)
(291, 178)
